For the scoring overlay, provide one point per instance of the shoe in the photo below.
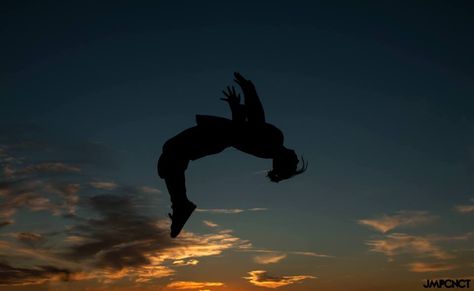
(180, 216)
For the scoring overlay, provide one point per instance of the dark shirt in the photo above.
(262, 140)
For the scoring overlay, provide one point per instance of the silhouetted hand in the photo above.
(243, 83)
(232, 97)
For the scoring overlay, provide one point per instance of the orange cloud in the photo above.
(261, 279)
(140, 274)
(193, 285)
(424, 267)
(402, 218)
(150, 272)
(192, 245)
(185, 263)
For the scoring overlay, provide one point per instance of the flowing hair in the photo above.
(278, 175)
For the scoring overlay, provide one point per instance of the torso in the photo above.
(260, 140)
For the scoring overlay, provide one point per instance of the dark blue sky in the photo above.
(378, 96)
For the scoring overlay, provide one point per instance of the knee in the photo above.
(164, 165)
(169, 165)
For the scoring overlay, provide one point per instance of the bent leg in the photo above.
(177, 189)
(171, 169)
(191, 144)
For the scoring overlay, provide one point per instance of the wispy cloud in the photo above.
(28, 276)
(425, 267)
(210, 223)
(49, 167)
(193, 285)
(465, 208)
(386, 223)
(262, 279)
(269, 258)
(397, 243)
(311, 254)
(150, 190)
(230, 211)
(299, 253)
(104, 185)
(14, 252)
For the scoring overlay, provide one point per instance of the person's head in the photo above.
(285, 165)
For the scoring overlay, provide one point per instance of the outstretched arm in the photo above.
(238, 110)
(253, 106)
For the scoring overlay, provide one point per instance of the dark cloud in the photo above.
(123, 238)
(120, 237)
(25, 276)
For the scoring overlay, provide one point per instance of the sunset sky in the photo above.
(377, 96)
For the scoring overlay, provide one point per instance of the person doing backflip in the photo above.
(247, 131)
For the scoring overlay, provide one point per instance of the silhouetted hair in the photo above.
(285, 166)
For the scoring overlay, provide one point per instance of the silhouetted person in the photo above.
(247, 131)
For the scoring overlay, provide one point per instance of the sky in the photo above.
(376, 95)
